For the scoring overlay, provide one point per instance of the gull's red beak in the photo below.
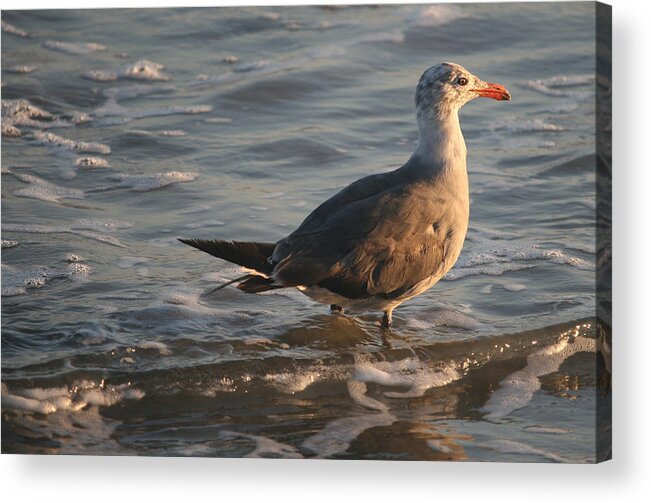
(495, 91)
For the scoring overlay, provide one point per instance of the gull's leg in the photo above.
(334, 308)
(387, 318)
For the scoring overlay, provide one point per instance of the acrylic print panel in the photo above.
(124, 130)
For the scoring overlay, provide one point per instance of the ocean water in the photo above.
(123, 130)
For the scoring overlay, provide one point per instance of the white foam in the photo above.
(54, 140)
(77, 271)
(205, 223)
(264, 446)
(11, 29)
(357, 391)
(20, 69)
(518, 388)
(143, 183)
(37, 188)
(528, 126)
(101, 76)
(91, 162)
(409, 373)
(251, 69)
(436, 15)
(162, 348)
(23, 113)
(514, 287)
(78, 228)
(494, 260)
(294, 382)
(145, 70)
(95, 224)
(10, 131)
(563, 85)
(71, 257)
(74, 47)
(9, 243)
(547, 430)
(16, 281)
(140, 70)
(75, 398)
(513, 447)
(337, 435)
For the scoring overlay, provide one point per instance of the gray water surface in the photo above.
(235, 123)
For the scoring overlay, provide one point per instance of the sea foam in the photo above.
(518, 388)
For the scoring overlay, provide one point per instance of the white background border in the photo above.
(99, 479)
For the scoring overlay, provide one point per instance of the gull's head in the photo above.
(448, 86)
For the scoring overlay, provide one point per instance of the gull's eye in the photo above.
(462, 81)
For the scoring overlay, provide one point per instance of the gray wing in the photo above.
(382, 243)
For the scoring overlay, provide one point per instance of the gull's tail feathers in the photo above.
(247, 254)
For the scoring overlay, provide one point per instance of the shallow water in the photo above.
(137, 127)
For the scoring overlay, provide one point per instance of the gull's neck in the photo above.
(441, 147)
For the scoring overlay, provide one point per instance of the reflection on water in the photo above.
(125, 129)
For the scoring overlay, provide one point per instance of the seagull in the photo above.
(387, 237)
